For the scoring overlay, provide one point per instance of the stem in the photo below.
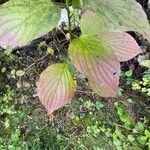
(59, 4)
(129, 129)
(69, 17)
(29, 67)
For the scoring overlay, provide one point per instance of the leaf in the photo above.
(117, 142)
(118, 132)
(50, 51)
(145, 63)
(94, 58)
(129, 73)
(56, 87)
(22, 21)
(20, 73)
(139, 127)
(147, 133)
(120, 91)
(123, 45)
(118, 15)
(131, 138)
(142, 139)
(91, 23)
(3, 69)
(99, 105)
(77, 4)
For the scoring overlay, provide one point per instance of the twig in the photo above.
(69, 17)
(123, 127)
(30, 66)
(86, 92)
(126, 128)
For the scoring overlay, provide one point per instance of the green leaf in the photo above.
(131, 138)
(77, 4)
(148, 143)
(118, 133)
(142, 139)
(129, 73)
(130, 101)
(97, 56)
(120, 91)
(139, 127)
(56, 87)
(13, 71)
(22, 21)
(99, 105)
(3, 69)
(20, 73)
(116, 15)
(93, 57)
(145, 63)
(147, 133)
(116, 141)
(91, 23)
(50, 51)
(6, 123)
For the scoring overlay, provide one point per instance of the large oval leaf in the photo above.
(95, 59)
(22, 21)
(91, 23)
(123, 45)
(118, 15)
(56, 87)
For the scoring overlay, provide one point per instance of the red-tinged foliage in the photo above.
(55, 87)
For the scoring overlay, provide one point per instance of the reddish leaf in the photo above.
(123, 45)
(56, 87)
(94, 58)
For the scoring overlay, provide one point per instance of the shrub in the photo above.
(96, 53)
